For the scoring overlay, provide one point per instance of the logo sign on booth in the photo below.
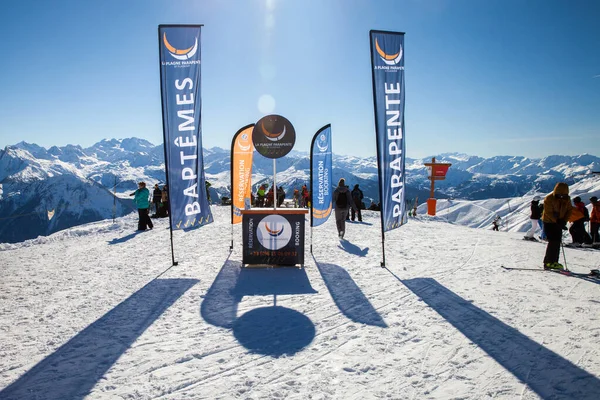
(273, 136)
(387, 61)
(179, 51)
(276, 239)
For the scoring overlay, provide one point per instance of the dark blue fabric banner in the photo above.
(320, 176)
(180, 95)
(387, 61)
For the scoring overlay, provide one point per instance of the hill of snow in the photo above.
(97, 312)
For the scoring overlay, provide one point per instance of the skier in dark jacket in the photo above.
(357, 197)
(280, 196)
(343, 201)
(496, 223)
(156, 199)
(536, 214)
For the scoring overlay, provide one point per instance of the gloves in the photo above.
(562, 224)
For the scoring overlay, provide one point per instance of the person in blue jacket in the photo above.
(141, 200)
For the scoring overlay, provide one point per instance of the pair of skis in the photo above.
(594, 273)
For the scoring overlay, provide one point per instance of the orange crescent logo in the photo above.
(272, 136)
(322, 213)
(180, 54)
(273, 232)
(389, 59)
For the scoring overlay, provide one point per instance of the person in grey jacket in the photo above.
(342, 199)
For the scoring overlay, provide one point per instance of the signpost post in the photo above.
(437, 172)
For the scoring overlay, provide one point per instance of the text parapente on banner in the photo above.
(387, 61)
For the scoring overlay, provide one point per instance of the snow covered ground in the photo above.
(96, 312)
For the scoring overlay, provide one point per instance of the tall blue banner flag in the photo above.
(179, 49)
(320, 176)
(387, 61)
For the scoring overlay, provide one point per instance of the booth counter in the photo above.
(273, 237)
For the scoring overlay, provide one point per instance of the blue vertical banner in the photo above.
(179, 49)
(387, 61)
(320, 176)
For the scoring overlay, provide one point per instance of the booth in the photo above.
(273, 237)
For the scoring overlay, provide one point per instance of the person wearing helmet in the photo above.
(557, 210)
(536, 214)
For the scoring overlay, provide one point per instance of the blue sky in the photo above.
(482, 77)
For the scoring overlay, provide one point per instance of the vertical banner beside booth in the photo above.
(242, 150)
(320, 176)
(387, 61)
(179, 49)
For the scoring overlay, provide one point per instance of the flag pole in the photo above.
(312, 201)
(162, 106)
(231, 184)
(378, 159)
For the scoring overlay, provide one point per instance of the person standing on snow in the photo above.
(557, 210)
(304, 193)
(543, 233)
(595, 219)
(579, 216)
(164, 203)
(156, 198)
(536, 214)
(142, 201)
(357, 196)
(343, 201)
(496, 223)
(207, 184)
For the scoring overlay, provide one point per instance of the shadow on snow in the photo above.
(353, 249)
(75, 367)
(273, 330)
(546, 373)
(348, 297)
(125, 238)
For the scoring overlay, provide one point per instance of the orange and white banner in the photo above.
(242, 150)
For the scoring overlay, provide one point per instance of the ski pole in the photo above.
(564, 255)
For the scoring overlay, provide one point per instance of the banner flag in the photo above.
(179, 49)
(242, 150)
(320, 176)
(387, 61)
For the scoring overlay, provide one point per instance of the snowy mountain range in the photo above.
(46, 190)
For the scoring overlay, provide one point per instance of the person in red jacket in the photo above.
(595, 219)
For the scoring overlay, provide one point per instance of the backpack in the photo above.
(342, 200)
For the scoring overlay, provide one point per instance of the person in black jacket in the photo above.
(342, 201)
(536, 214)
(357, 197)
(156, 199)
